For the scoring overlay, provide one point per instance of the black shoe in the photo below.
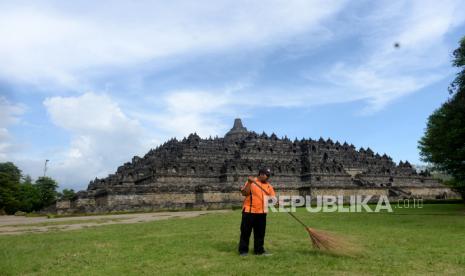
(264, 253)
(243, 254)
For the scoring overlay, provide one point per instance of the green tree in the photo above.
(443, 143)
(28, 196)
(10, 176)
(23, 195)
(11, 170)
(459, 61)
(67, 194)
(46, 187)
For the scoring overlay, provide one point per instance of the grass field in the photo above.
(430, 240)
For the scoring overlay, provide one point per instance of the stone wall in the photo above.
(215, 200)
(201, 173)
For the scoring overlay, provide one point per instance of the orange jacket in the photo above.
(254, 202)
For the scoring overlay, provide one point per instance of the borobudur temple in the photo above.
(207, 173)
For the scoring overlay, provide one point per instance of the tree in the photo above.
(10, 176)
(23, 195)
(28, 196)
(443, 143)
(459, 61)
(11, 170)
(67, 194)
(46, 187)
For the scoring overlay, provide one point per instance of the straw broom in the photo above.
(323, 240)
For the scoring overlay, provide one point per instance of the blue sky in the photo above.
(89, 84)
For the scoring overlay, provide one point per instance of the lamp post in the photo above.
(45, 167)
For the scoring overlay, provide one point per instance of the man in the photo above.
(256, 190)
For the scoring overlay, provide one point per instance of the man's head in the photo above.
(264, 174)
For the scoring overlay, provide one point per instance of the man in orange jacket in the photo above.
(255, 190)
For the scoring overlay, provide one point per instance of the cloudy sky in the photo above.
(89, 84)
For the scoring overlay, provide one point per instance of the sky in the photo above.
(89, 84)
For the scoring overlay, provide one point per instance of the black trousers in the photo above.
(257, 223)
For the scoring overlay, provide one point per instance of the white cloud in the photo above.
(9, 115)
(378, 75)
(64, 44)
(188, 111)
(194, 111)
(57, 44)
(9, 112)
(89, 112)
(385, 73)
(377, 87)
(103, 137)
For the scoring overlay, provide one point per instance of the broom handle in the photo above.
(291, 214)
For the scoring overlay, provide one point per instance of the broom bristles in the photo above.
(330, 242)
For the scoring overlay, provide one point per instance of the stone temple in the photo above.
(207, 173)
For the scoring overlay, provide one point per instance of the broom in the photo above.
(323, 240)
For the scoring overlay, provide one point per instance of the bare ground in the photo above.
(13, 225)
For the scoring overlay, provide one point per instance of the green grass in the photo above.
(66, 222)
(430, 240)
(171, 210)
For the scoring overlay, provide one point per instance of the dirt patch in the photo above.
(13, 225)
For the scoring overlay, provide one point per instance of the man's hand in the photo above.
(246, 190)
